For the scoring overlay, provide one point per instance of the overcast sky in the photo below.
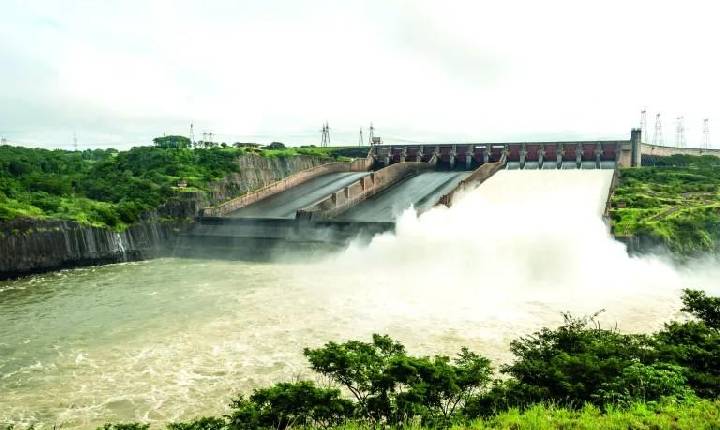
(121, 72)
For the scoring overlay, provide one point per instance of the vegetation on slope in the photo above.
(110, 188)
(578, 375)
(674, 201)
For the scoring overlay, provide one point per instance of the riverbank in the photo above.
(61, 209)
(673, 203)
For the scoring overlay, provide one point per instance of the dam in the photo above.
(339, 202)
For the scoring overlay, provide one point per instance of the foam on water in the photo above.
(170, 339)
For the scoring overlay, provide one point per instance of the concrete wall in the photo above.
(477, 177)
(283, 184)
(358, 191)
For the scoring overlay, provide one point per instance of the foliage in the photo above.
(675, 202)
(706, 309)
(570, 364)
(391, 386)
(125, 426)
(172, 142)
(102, 187)
(287, 405)
(202, 423)
(642, 383)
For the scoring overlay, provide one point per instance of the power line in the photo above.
(657, 138)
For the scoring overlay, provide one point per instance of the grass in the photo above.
(675, 202)
(691, 415)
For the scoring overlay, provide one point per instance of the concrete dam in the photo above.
(332, 203)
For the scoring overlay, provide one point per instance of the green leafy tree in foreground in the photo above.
(288, 405)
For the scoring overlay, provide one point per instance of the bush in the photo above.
(289, 405)
(568, 365)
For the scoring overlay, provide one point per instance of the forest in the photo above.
(110, 188)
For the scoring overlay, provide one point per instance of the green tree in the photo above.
(360, 368)
(288, 405)
(706, 309)
(172, 142)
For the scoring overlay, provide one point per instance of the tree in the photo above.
(569, 364)
(706, 309)
(359, 367)
(288, 405)
(276, 145)
(172, 142)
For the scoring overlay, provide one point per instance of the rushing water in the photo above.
(170, 339)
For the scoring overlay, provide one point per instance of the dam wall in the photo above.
(362, 189)
(539, 154)
(477, 177)
(284, 184)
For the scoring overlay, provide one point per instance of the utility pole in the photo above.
(643, 125)
(706, 133)
(680, 133)
(658, 139)
(371, 134)
(360, 141)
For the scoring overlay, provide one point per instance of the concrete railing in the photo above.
(362, 189)
(477, 177)
(360, 165)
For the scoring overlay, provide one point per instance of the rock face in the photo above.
(31, 246)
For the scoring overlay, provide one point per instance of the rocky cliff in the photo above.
(31, 246)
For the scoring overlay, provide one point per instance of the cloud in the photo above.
(422, 70)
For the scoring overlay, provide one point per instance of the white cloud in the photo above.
(419, 69)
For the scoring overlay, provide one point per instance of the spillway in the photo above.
(285, 204)
(421, 191)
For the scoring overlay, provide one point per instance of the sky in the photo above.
(118, 73)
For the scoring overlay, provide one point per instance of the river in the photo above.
(171, 338)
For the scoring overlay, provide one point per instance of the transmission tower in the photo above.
(706, 133)
(658, 138)
(3, 141)
(371, 134)
(325, 142)
(360, 141)
(75, 145)
(643, 126)
(680, 133)
(192, 135)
